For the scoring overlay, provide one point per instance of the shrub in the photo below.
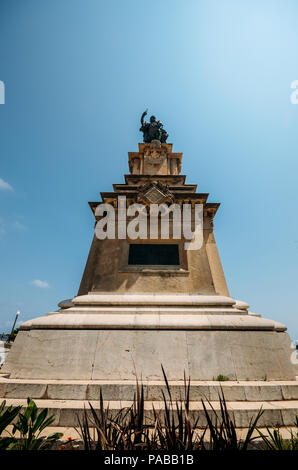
(275, 441)
(29, 427)
(172, 428)
(222, 378)
(6, 417)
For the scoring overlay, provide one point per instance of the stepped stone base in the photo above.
(67, 399)
(107, 340)
(121, 336)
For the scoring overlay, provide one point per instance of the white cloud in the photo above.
(19, 226)
(10, 225)
(5, 186)
(42, 284)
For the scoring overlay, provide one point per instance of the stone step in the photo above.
(124, 390)
(276, 413)
(74, 319)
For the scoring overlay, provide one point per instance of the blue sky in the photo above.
(79, 73)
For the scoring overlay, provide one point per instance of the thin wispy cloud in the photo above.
(10, 225)
(19, 225)
(4, 186)
(41, 284)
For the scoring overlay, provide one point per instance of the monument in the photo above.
(149, 301)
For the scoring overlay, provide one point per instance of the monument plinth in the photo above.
(149, 301)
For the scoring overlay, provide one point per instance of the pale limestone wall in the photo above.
(218, 277)
(123, 354)
(200, 270)
(155, 159)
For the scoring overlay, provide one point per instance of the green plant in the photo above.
(222, 378)
(96, 429)
(175, 429)
(126, 430)
(275, 441)
(223, 428)
(30, 425)
(172, 428)
(6, 417)
(12, 335)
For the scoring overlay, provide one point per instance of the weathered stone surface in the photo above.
(263, 392)
(139, 354)
(48, 354)
(125, 354)
(73, 391)
(21, 390)
(114, 390)
(290, 392)
(152, 321)
(232, 392)
(3, 387)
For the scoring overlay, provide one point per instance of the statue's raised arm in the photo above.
(143, 116)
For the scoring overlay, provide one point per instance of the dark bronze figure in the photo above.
(152, 130)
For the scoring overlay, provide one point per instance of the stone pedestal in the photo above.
(128, 319)
(124, 336)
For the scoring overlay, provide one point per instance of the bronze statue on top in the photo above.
(152, 130)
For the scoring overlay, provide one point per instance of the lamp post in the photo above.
(14, 324)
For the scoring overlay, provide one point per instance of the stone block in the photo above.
(233, 392)
(58, 391)
(25, 390)
(263, 392)
(290, 392)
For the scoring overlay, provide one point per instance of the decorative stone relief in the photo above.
(155, 193)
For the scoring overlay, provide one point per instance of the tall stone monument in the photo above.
(149, 301)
